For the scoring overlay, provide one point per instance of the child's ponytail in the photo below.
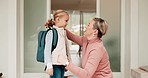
(50, 23)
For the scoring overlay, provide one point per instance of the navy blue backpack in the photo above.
(41, 43)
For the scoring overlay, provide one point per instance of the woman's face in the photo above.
(89, 29)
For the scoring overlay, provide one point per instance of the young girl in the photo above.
(56, 61)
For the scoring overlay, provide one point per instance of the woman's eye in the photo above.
(88, 24)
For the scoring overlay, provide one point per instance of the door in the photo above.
(36, 12)
(114, 39)
(34, 17)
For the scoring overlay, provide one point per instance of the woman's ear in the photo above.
(95, 32)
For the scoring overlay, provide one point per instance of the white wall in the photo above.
(143, 32)
(4, 37)
(8, 38)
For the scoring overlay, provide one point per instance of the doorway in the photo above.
(36, 12)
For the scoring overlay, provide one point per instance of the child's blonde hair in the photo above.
(58, 13)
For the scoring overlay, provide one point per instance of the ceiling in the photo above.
(74, 5)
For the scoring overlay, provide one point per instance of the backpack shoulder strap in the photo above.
(55, 39)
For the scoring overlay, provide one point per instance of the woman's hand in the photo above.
(66, 69)
(70, 76)
(49, 71)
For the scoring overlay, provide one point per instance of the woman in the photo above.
(95, 60)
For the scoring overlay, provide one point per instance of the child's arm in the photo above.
(74, 38)
(47, 51)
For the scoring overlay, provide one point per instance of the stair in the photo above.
(139, 73)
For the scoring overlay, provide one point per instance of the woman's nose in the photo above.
(84, 29)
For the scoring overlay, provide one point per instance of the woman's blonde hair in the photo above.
(101, 25)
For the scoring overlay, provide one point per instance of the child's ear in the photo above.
(57, 19)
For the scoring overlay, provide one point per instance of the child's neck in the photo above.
(58, 27)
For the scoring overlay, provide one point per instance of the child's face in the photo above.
(63, 21)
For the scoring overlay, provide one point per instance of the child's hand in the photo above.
(49, 71)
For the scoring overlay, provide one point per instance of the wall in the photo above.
(127, 39)
(4, 37)
(143, 31)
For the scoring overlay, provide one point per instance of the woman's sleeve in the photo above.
(74, 38)
(47, 50)
(91, 65)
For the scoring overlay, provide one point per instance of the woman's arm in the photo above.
(74, 38)
(91, 65)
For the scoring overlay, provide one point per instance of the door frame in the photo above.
(16, 37)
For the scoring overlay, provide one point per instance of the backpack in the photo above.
(41, 43)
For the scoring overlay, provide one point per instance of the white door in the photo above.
(34, 15)
(112, 11)
(36, 12)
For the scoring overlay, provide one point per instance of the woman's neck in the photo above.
(91, 37)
